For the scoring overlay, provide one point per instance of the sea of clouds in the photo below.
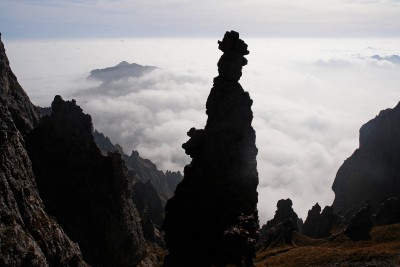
(311, 96)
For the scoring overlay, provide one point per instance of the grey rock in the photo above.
(28, 235)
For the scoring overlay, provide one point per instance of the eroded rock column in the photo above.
(212, 219)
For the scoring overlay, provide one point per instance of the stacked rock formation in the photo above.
(90, 194)
(373, 171)
(212, 219)
(28, 235)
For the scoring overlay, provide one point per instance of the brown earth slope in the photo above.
(383, 249)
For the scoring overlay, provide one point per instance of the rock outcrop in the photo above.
(212, 219)
(282, 226)
(388, 212)
(321, 224)
(373, 171)
(89, 194)
(28, 235)
(281, 233)
(283, 212)
(360, 224)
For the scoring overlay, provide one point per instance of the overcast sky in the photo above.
(255, 18)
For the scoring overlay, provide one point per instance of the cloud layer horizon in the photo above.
(310, 99)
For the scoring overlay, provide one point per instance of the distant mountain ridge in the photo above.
(122, 70)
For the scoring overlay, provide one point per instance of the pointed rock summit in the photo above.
(212, 219)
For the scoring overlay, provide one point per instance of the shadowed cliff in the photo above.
(28, 235)
(90, 194)
(372, 173)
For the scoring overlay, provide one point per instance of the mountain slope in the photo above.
(29, 236)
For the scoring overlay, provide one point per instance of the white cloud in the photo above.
(306, 114)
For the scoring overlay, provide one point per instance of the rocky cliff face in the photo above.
(24, 114)
(89, 194)
(212, 219)
(28, 236)
(373, 171)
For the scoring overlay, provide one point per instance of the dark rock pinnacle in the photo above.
(212, 219)
(88, 193)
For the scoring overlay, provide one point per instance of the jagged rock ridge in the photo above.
(321, 224)
(28, 236)
(90, 194)
(145, 170)
(373, 171)
(212, 219)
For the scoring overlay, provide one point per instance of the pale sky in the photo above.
(38, 19)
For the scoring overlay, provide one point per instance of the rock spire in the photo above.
(90, 194)
(212, 219)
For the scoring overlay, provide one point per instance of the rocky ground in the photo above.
(383, 249)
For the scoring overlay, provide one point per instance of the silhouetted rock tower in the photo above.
(212, 219)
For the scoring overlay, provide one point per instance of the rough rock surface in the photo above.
(360, 224)
(321, 224)
(89, 194)
(388, 212)
(278, 234)
(373, 171)
(283, 212)
(28, 236)
(150, 209)
(146, 198)
(212, 219)
(24, 114)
